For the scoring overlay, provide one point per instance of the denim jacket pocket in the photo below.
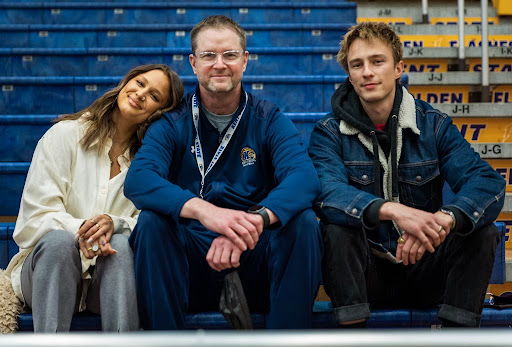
(420, 185)
(361, 175)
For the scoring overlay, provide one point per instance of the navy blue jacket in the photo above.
(263, 164)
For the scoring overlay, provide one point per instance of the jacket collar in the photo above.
(406, 117)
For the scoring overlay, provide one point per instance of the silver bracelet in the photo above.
(450, 213)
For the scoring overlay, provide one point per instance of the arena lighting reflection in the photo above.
(369, 338)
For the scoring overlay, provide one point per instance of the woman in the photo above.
(74, 221)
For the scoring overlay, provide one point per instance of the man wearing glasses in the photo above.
(223, 184)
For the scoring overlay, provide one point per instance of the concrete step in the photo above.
(463, 78)
(406, 9)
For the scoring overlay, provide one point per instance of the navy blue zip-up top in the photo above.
(263, 164)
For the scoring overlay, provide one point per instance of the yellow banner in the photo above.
(485, 130)
(453, 40)
(467, 20)
(495, 65)
(441, 94)
(389, 20)
(502, 94)
(504, 168)
(426, 65)
(506, 217)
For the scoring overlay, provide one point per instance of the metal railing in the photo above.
(485, 91)
(367, 338)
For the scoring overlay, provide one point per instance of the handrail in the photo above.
(485, 97)
(462, 54)
(424, 11)
(372, 338)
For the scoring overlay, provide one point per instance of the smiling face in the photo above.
(218, 77)
(373, 72)
(142, 96)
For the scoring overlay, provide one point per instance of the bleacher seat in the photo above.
(322, 310)
(186, 12)
(59, 95)
(97, 61)
(161, 35)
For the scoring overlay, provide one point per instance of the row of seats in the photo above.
(161, 35)
(322, 319)
(58, 95)
(19, 133)
(305, 60)
(174, 12)
(322, 310)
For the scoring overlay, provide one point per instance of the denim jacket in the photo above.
(430, 152)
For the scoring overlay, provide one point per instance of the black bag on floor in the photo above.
(233, 304)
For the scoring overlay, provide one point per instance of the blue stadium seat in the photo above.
(58, 36)
(14, 35)
(25, 95)
(117, 61)
(49, 62)
(20, 13)
(5, 62)
(19, 135)
(305, 60)
(6, 242)
(86, 321)
(12, 180)
(143, 35)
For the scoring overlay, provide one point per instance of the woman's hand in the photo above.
(94, 236)
(103, 248)
(93, 228)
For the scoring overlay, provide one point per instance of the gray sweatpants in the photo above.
(52, 285)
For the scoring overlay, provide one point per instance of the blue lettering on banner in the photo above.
(494, 67)
(476, 128)
(474, 43)
(442, 98)
(501, 97)
(411, 43)
(422, 67)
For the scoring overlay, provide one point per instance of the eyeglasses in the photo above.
(228, 57)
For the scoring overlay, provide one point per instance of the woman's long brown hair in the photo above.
(99, 114)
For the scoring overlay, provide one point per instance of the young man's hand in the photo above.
(422, 230)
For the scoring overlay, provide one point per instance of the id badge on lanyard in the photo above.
(223, 144)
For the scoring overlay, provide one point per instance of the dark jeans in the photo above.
(456, 276)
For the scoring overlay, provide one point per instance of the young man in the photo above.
(223, 183)
(382, 158)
